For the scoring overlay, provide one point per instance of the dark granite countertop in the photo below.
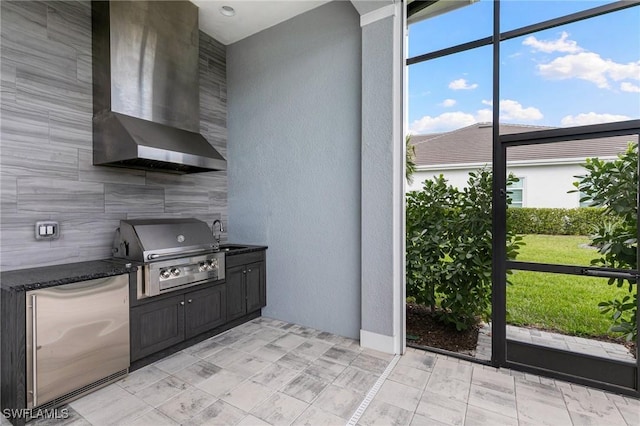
(50, 276)
(234, 249)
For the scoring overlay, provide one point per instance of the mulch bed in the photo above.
(423, 329)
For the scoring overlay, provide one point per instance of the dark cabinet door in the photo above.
(255, 284)
(236, 296)
(156, 326)
(205, 309)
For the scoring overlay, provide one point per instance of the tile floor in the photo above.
(597, 348)
(267, 372)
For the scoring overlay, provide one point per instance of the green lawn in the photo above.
(566, 303)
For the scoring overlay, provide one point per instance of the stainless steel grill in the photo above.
(176, 253)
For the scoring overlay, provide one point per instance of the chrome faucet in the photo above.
(213, 229)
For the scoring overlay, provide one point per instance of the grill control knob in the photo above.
(175, 272)
(213, 263)
(165, 274)
(202, 267)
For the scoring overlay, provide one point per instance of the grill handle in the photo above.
(154, 256)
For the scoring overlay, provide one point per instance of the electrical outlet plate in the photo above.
(47, 230)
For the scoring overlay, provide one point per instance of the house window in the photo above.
(515, 192)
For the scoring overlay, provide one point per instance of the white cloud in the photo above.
(512, 110)
(591, 118)
(462, 84)
(625, 86)
(585, 66)
(484, 116)
(509, 110)
(549, 46)
(448, 103)
(581, 64)
(442, 123)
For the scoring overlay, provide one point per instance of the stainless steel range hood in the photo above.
(146, 101)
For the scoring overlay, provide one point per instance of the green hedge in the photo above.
(580, 221)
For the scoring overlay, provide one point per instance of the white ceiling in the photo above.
(251, 16)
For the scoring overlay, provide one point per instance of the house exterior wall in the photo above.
(294, 163)
(47, 143)
(544, 185)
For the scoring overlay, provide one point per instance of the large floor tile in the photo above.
(491, 400)
(400, 395)
(289, 341)
(356, 379)
(225, 357)
(269, 353)
(370, 363)
(247, 395)
(585, 409)
(197, 372)
(154, 418)
(477, 416)
(252, 420)
(339, 401)
(384, 414)
(247, 365)
(118, 410)
(275, 376)
(95, 401)
(417, 359)
(441, 409)
(280, 409)
(294, 361)
(176, 362)
(410, 376)
(341, 355)
(314, 416)
(204, 349)
(305, 387)
(325, 369)
(160, 392)
(142, 378)
(220, 383)
(187, 404)
(219, 413)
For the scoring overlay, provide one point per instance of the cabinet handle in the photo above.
(249, 270)
(34, 350)
(189, 301)
(182, 303)
(244, 272)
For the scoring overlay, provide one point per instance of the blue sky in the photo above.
(582, 73)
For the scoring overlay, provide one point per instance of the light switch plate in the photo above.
(47, 230)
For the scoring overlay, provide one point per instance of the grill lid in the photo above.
(145, 240)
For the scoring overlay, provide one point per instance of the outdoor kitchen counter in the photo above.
(235, 249)
(51, 276)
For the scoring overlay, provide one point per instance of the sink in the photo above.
(231, 247)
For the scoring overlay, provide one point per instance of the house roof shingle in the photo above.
(473, 145)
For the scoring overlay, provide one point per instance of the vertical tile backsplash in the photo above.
(46, 169)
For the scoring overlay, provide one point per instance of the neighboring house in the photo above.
(546, 172)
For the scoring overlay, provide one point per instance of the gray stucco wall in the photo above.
(294, 163)
(377, 177)
(46, 143)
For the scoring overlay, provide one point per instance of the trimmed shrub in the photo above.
(449, 247)
(613, 185)
(554, 221)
